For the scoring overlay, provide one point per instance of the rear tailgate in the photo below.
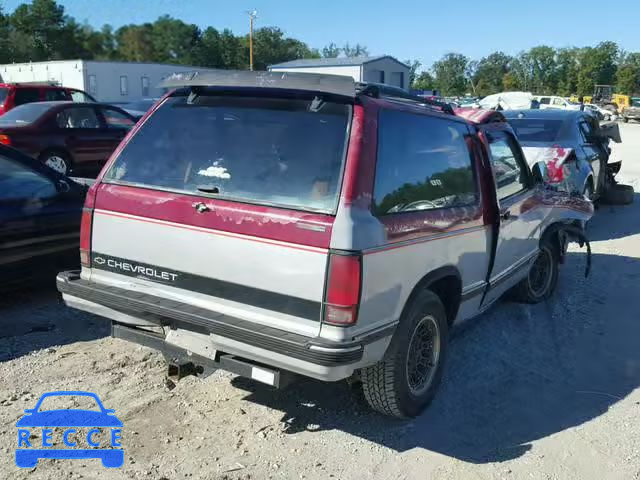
(226, 205)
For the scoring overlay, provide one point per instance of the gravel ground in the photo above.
(534, 392)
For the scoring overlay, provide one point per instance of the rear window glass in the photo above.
(4, 92)
(261, 150)
(537, 130)
(24, 114)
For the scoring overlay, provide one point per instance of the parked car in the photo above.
(632, 112)
(15, 94)
(40, 211)
(600, 112)
(66, 136)
(554, 102)
(139, 108)
(573, 150)
(258, 242)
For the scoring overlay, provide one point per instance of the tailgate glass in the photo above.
(276, 151)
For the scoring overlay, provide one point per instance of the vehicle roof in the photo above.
(548, 113)
(33, 85)
(59, 103)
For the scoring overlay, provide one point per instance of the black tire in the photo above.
(57, 160)
(387, 385)
(619, 195)
(625, 120)
(542, 278)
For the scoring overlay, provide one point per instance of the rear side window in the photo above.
(4, 93)
(24, 114)
(55, 95)
(423, 164)
(26, 95)
(545, 101)
(286, 152)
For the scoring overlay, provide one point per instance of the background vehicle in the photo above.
(632, 112)
(572, 146)
(15, 94)
(139, 108)
(66, 136)
(554, 102)
(40, 212)
(600, 112)
(287, 252)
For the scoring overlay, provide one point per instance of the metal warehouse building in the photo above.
(380, 69)
(113, 82)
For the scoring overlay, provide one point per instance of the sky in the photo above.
(412, 29)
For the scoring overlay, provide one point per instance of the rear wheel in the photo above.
(542, 279)
(58, 161)
(404, 383)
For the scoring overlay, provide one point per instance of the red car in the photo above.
(69, 137)
(15, 94)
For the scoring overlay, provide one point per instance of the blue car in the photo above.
(28, 457)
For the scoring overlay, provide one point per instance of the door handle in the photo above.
(505, 215)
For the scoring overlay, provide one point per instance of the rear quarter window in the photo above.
(423, 163)
(285, 152)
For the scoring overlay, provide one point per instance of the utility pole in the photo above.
(252, 15)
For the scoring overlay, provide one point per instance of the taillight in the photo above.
(86, 227)
(5, 140)
(343, 290)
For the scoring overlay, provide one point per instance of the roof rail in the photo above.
(379, 90)
(50, 83)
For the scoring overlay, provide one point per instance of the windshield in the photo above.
(635, 102)
(24, 114)
(285, 152)
(3, 94)
(537, 130)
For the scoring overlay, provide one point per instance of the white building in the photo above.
(380, 69)
(112, 82)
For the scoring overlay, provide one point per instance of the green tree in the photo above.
(135, 43)
(598, 66)
(490, 72)
(543, 69)
(5, 45)
(627, 80)
(331, 51)
(271, 46)
(42, 21)
(424, 81)
(567, 69)
(510, 82)
(356, 50)
(450, 74)
(174, 41)
(414, 65)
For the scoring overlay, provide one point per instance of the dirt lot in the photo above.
(543, 392)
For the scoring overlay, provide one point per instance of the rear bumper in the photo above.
(314, 357)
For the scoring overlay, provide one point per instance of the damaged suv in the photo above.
(278, 224)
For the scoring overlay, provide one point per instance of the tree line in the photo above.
(41, 30)
(541, 70)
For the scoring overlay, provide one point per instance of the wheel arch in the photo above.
(446, 283)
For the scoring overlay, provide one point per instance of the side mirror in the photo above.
(610, 130)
